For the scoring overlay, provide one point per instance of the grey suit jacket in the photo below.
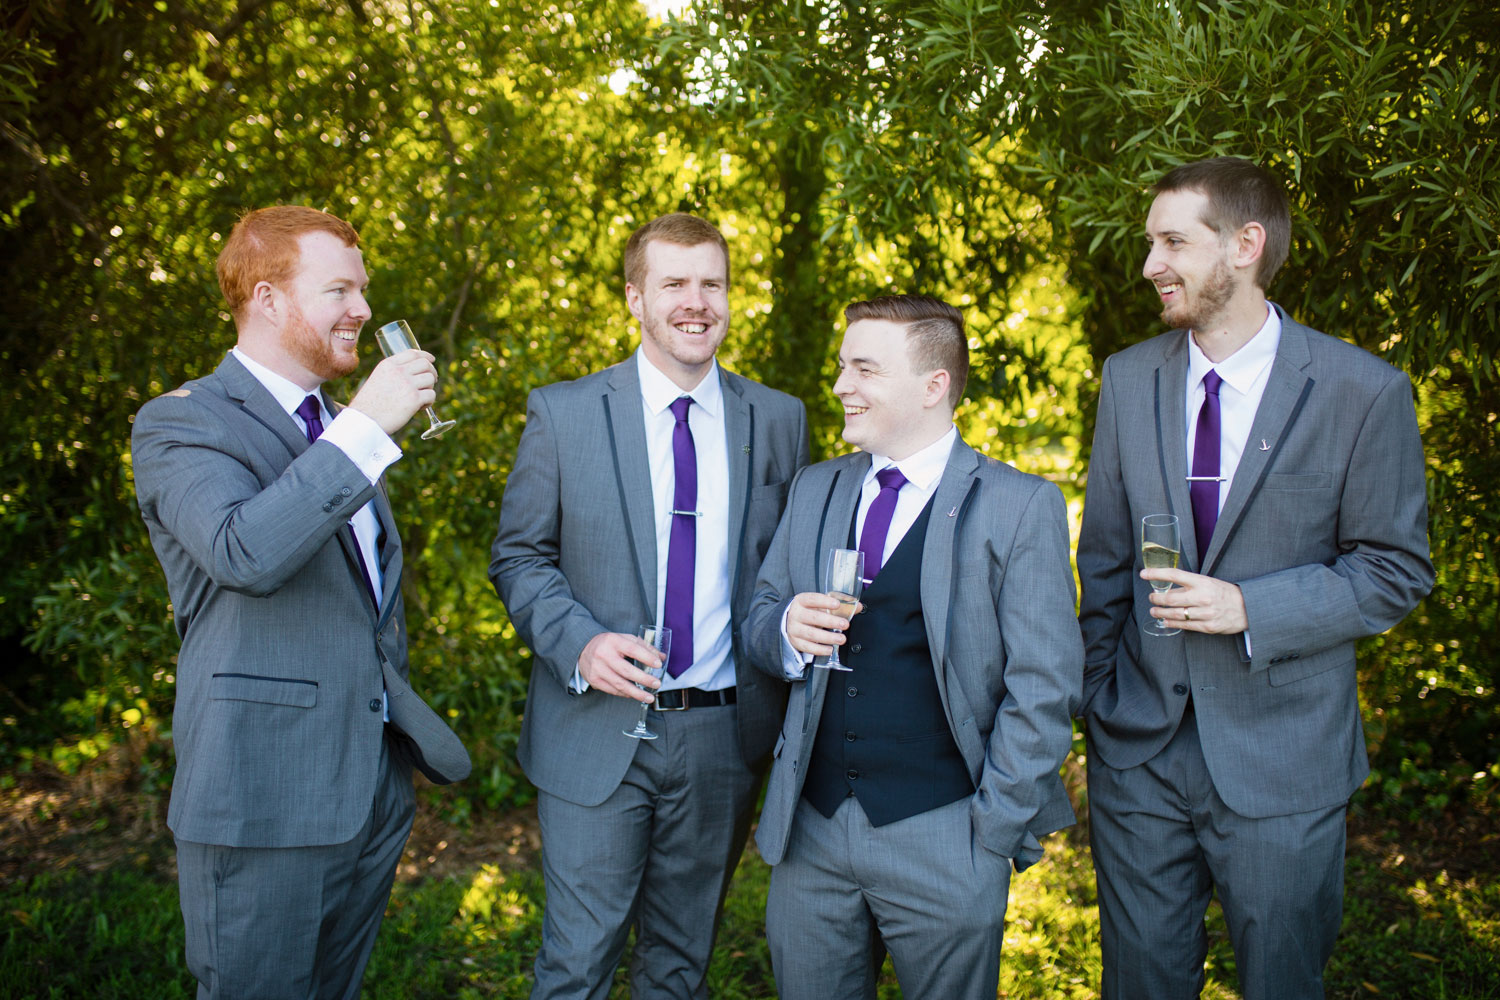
(278, 723)
(997, 602)
(1324, 530)
(575, 555)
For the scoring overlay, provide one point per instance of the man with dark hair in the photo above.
(902, 791)
(645, 494)
(295, 728)
(1223, 750)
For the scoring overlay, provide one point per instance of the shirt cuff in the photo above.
(359, 437)
(577, 685)
(793, 661)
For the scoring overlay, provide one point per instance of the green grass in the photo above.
(116, 933)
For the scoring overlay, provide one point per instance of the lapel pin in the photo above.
(953, 512)
(1264, 445)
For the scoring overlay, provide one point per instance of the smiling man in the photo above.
(645, 494)
(295, 730)
(1222, 756)
(903, 791)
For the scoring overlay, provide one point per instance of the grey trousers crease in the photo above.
(923, 889)
(294, 922)
(1164, 841)
(656, 855)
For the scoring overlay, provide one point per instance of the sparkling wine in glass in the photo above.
(843, 580)
(659, 639)
(1161, 544)
(394, 338)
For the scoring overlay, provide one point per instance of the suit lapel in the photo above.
(940, 553)
(739, 430)
(1280, 405)
(626, 424)
(828, 528)
(258, 403)
(1170, 402)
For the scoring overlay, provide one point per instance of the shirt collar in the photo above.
(1244, 366)
(658, 391)
(922, 468)
(286, 392)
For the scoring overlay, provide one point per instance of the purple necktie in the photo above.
(683, 545)
(878, 519)
(312, 415)
(1204, 489)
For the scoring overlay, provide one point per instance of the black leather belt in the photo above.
(679, 699)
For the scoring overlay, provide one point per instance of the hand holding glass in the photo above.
(1161, 544)
(843, 580)
(659, 639)
(394, 338)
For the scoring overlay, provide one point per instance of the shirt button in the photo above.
(849, 736)
(853, 691)
(851, 774)
(374, 704)
(1179, 688)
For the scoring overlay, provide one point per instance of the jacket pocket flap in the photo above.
(269, 690)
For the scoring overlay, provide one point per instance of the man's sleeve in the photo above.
(1383, 567)
(1106, 550)
(1033, 729)
(248, 537)
(524, 559)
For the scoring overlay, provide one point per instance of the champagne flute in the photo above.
(1161, 544)
(394, 338)
(843, 579)
(659, 639)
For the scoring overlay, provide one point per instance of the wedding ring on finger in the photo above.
(1185, 616)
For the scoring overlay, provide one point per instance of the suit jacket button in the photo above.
(345, 491)
(853, 691)
(851, 774)
(1179, 688)
(327, 507)
(856, 647)
(337, 501)
(374, 704)
(849, 736)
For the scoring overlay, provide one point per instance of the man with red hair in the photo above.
(295, 729)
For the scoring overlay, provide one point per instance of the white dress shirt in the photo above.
(923, 471)
(353, 433)
(712, 666)
(1245, 373)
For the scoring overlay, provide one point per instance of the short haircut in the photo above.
(1239, 192)
(934, 335)
(263, 247)
(680, 228)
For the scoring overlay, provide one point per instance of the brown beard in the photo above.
(312, 351)
(1215, 294)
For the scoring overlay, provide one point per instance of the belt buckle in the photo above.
(682, 696)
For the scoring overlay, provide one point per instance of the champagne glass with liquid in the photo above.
(843, 579)
(394, 338)
(659, 639)
(1161, 544)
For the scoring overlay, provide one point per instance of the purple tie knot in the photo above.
(312, 415)
(680, 407)
(890, 478)
(1211, 382)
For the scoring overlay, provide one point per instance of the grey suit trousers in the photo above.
(294, 923)
(658, 854)
(922, 888)
(1163, 839)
